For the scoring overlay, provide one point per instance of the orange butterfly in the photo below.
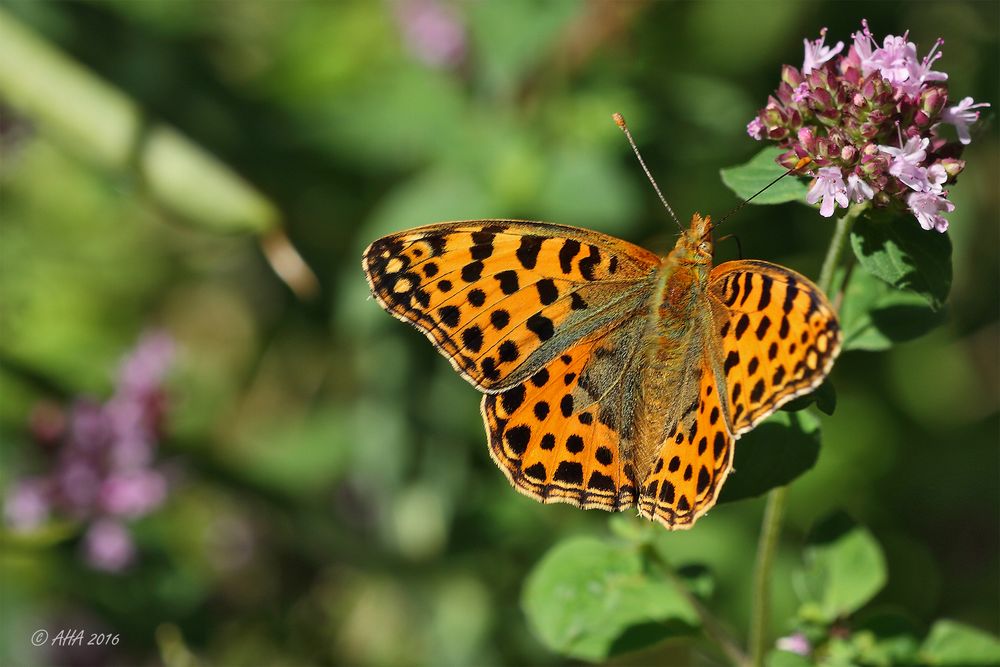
(612, 377)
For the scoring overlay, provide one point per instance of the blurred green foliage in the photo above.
(333, 501)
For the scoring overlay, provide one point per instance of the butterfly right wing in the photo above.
(500, 299)
(693, 461)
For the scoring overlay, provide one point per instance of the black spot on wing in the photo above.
(472, 271)
(569, 472)
(472, 338)
(765, 291)
(741, 325)
(508, 351)
(512, 399)
(536, 471)
(518, 438)
(747, 287)
(482, 245)
(527, 251)
(569, 250)
(541, 326)
(547, 291)
(791, 291)
(762, 327)
(450, 316)
(477, 297)
(499, 319)
(508, 281)
(589, 263)
(601, 482)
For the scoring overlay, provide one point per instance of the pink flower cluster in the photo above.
(102, 457)
(870, 119)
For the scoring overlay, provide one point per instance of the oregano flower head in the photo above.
(871, 120)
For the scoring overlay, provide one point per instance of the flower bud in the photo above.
(933, 100)
(952, 166)
(791, 76)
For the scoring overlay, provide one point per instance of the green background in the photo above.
(337, 503)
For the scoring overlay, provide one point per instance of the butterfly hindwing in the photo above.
(779, 337)
(693, 461)
(501, 298)
(562, 434)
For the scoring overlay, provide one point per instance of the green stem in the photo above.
(767, 547)
(712, 627)
(838, 243)
(770, 530)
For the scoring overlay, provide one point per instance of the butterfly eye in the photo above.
(704, 246)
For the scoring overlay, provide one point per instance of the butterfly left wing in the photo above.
(566, 433)
(501, 298)
(779, 336)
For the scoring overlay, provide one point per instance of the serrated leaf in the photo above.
(780, 449)
(746, 179)
(875, 316)
(592, 599)
(904, 255)
(844, 569)
(954, 644)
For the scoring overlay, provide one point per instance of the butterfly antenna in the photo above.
(620, 121)
(798, 165)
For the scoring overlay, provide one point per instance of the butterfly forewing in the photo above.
(779, 340)
(500, 299)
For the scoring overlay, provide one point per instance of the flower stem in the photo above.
(767, 546)
(774, 512)
(838, 243)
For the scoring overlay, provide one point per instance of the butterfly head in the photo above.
(695, 244)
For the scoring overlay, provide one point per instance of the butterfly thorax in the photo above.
(680, 320)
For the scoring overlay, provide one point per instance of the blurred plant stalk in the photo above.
(101, 125)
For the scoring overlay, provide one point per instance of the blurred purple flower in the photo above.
(108, 546)
(28, 504)
(872, 114)
(432, 31)
(797, 643)
(961, 116)
(134, 493)
(102, 458)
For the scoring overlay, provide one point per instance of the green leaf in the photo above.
(592, 599)
(886, 638)
(746, 179)
(898, 251)
(844, 569)
(954, 644)
(824, 396)
(787, 659)
(875, 316)
(780, 449)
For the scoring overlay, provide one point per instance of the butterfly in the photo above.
(612, 377)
